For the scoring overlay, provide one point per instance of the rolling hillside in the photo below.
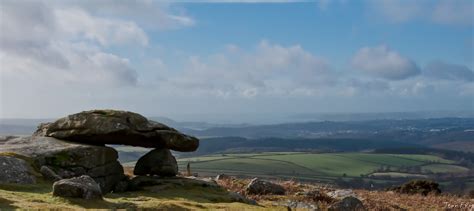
(327, 167)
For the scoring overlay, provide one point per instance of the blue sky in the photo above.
(216, 61)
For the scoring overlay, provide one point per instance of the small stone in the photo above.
(78, 187)
(347, 203)
(157, 162)
(257, 186)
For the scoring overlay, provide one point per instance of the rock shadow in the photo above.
(101, 204)
(34, 188)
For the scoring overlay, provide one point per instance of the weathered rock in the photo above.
(15, 170)
(69, 160)
(111, 168)
(348, 203)
(49, 174)
(78, 187)
(257, 186)
(54, 152)
(100, 127)
(109, 182)
(157, 162)
(423, 187)
(65, 171)
(4, 139)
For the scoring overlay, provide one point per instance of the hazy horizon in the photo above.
(272, 118)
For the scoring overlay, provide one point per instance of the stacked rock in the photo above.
(101, 127)
(57, 159)
(76, 145)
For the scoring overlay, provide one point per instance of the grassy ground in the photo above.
(316, 166)
(40, 197)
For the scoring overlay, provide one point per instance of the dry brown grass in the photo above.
(388, 199)
(373, 200)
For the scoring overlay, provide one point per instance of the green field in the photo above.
(398, 175)
(443, 168)
(312, 166)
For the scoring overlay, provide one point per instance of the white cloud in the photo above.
(78, 24)
(382, 62)
(149, 14)
(269, 69)
(55, 55)
(70, 39)
(54, 43)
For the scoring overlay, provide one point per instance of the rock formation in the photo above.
(75, 145)
(67, 160)
(100, 127)
(15, 170)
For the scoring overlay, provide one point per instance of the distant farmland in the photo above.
(319, 167)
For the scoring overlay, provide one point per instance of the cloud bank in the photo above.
(58, 58)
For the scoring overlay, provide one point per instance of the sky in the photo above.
(234, 61)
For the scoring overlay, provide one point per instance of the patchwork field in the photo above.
(318, 166)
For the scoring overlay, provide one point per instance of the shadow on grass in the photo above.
(35, 188)
(6, 204)
(100, 204)
(175, 197)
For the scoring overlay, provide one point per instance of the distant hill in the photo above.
(449, 133)
(425, 132)
(239, 145)
(465, 146)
